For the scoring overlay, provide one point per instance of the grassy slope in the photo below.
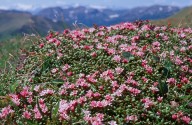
(10, 50)
(14, 23)
(181, 19)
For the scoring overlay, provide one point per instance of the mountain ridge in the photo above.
(14, 22)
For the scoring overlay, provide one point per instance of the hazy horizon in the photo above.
(116, 4)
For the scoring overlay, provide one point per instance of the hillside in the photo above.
(17, 22)
(125, 74)
(181, 19)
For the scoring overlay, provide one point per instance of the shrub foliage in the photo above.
(129, 73)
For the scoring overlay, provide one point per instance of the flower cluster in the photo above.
(129, 73)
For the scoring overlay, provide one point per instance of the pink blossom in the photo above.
(112, 123)
(55, 70)
(57, 43)
(145, 28)
(25, 92)
(30, 100)
(66, 67)
(184, 80)
(94, 54)
(131, 118)
(27, 115)
(147, 102)
(119, 70)
(46, 92)
(36, 88)
(116, 58)
(186, 119)
(37, 113)
(41, 45)
(134, 91)
(171, 81)
(156, 44)
(144, 79)
(114, 84)
(111, 51)
(15, 99)
(160, 99)
(42, 105)
(6, 111)
(107, 75)
(182, 35)
(178, 61)
(135, 38)
(185, 68)
(154, 89)
(183, 49)
(148, 69)
(174, 116)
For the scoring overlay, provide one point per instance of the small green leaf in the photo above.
(13, 87)
(55, 110)
(128, 56)
(163, 88)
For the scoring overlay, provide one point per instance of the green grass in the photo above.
(14, 21)
(10, 50)
(180, 19)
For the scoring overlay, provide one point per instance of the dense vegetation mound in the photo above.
(130, 73)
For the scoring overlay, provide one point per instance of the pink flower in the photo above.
(184, 80)
(6, 111)
(119, 70)
(55, 70)
(42, 105)
(186, 119)
(174, 104)
(145, 28)
(46, 92)
(37, 113)
(25, 92)
(148, 69)
(160, 99)
(135, 38)
(66, 67)
(57, 43)
(107, 75)
(94, 54)
(15, 99)
(41, 45)
(182, 35)
(26, 114)
(131, 118)
(156, 44)
(154, 89)
(111, 51)
(134, 91)
(86, 47)
(171, 81)
(36, 88)
(116, 58)
(178, 61)
(147, 102)
(185, 68)
(174, 116)
(112, 123)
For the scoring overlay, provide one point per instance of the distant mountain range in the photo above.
(103, 16)
(57, 18)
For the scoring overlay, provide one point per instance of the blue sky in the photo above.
(31, 4)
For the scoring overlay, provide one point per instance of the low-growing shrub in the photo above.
(129, 73)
